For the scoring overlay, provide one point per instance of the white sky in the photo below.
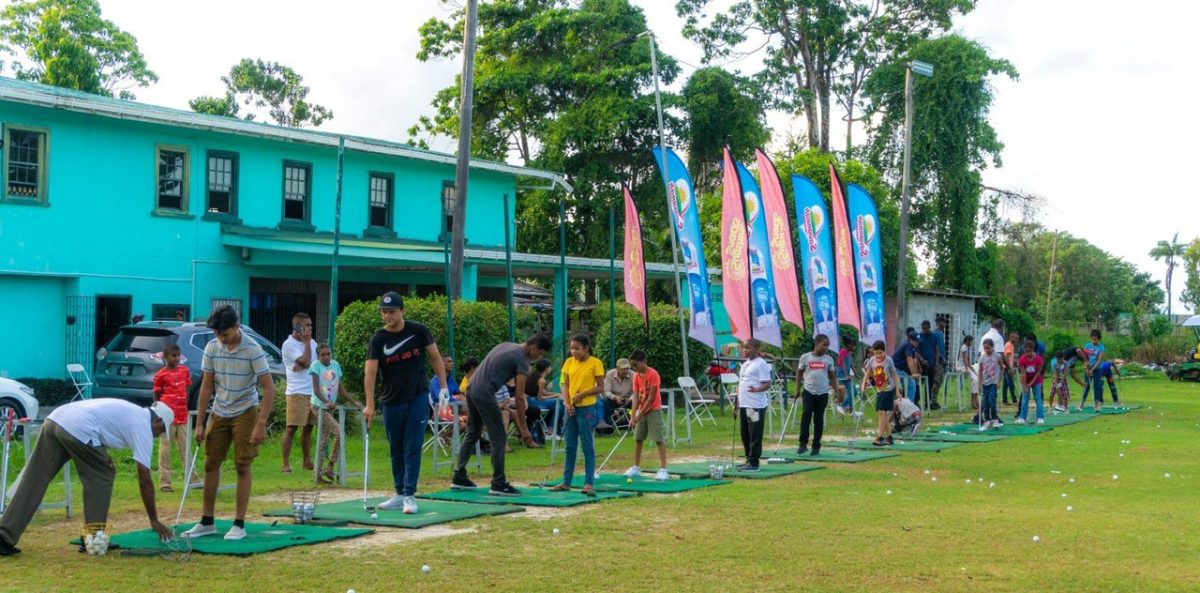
(1095, 124)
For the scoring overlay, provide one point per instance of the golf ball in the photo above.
(1114, 476)
(1072, 480)
(889, 491)
(992, 485)
(628, 480)
(1037, 538)
(1064, 495)
(350, 591)
(1122, 454)
(968, 480)
(555, 532)
(927, 472)
(1167, 475)
(1070, 508)
(934, 478)
(374, 515)
(425, 568)
(1097, 432)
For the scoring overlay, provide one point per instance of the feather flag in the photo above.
(779, 235)
(635, 261)
(843, 254)
(735, 277)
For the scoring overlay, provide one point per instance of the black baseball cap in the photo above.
(391, 300)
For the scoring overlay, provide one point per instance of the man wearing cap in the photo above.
(397, 352)
(83, 432)
(618, 389)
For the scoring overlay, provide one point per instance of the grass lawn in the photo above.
(829, 530)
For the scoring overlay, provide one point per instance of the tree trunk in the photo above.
(849, 130)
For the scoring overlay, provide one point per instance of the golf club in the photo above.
(370, 508)
(614, 450)
(8, 432)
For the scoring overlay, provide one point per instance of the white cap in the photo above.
(164, 412)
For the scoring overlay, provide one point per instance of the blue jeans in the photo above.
(1037, 395)
(405, 426)
(989, 404)
(581, 430)
(1097, 386)
(848, 403)
(908, 384)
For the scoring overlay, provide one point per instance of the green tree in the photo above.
(68, 44)
(952, 142)
(722, 110)
(814, 49)
(265, 85)
(1191, 265)
(1170, 252)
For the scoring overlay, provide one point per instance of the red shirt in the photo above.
(646, 385)
(171, 386)
(1031, 368)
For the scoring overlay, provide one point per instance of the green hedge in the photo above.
(661, 342)
(50, 392)
(478, 326)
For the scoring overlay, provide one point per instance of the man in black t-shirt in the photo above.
(506, 362)
(398, 353)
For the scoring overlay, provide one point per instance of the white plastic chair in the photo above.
(81, 381)
(697, 403)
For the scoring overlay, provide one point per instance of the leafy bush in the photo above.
(478, 326)
(1163, 350)
(661, 342)
(1057, 340)
(50, 392)
(1017, 320)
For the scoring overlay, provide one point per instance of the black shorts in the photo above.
(885, 401)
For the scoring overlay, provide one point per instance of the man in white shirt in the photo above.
(83, 432)
(298, 351)
(752, 401)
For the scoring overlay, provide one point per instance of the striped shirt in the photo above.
(235, 375)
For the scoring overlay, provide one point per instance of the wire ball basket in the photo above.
(304, 504)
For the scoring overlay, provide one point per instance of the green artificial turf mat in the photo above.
(1009, 429)
(1110, 410)
(532, 496)
(429, 512)
(950, 437)
(699, 469)
(1067, 419)
(645, 484)
(260, 537)
(838, 455)
(900, 445)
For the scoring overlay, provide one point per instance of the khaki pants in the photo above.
(329, 435)
(55, 447)
(178, 438)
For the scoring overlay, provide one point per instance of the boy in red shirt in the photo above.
(647, 421)
(170, 387)
(1031, 370)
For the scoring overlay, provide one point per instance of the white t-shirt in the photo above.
(111, 423)
(753, 374)
(298, 382)
(995, 337)
(907, 408)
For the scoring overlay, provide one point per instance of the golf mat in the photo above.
(900, 445)
(1110, 410)
(699, 469)
(839, 456)
(260, 537)
(1067, 419)
(429, 513)
(950, 437)
(1010, 429)
(533, 497)
(644, 484)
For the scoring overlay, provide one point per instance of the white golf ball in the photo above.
(425, 568)
(1122, 454)
(374, 515)
(350, 591)
(1167, 475)
(992, 485)
(555, 532)
(1114, 476)
(934, 478)
(1070, 508)
(1037, 538)
(1064, 495)
(968, 480)
(889, 491)
(1072, 480)
(1096, 432)
(927, 472)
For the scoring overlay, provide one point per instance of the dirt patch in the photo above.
(387, 536)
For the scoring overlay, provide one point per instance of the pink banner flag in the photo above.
(635, 262)
(735, 276)
(779, 234)
(843, 256)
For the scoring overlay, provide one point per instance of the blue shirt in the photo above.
(1093, 353)
(900, 358)
(435, 386)
(941, 342)
(927, 346)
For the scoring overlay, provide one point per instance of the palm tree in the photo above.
(1169, 251)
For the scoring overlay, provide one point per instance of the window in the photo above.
(220, 302)
(222, 183)
(25, 163)
(170, 312)
(449, 203)
(380, 201)
(297, 189)
(272, 351)
(172, 179)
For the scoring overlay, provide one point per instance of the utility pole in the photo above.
(1050, 282)
(923, 69)
(462, 169)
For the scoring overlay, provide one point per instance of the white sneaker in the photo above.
(199, 530)
(633, 472)
(986, 425)
(235, 533)
(392, 503)
(1041, 420)
(410, 505)
(662, 475)
(1020, 421)
(857, 414)
(838, 410)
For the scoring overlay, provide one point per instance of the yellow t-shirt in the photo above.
(583, 376)
(462, 385)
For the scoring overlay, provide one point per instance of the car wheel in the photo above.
(7, 404)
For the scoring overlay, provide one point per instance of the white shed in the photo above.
(958, 309)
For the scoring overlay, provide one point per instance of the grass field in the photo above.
(830, 530)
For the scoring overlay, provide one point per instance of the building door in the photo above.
(81, 331)
(271, 313)
(111, 313)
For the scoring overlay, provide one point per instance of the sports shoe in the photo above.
(632, 472)
(235, 533)
(857, 414)
(746, 467)
(504, 489)
(1020, 421)
(661, 475)
(985, 426)
(801, 450)
(1041, 420)
(393, 503)
(199, 530)
(460, 481)
(815, 452)
(7, 549)
(935, 406)
(839, 410)
(410, 505)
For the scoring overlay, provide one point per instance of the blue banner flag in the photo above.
(684, 215)
(868, 262)
(816, 257)
(765, 321)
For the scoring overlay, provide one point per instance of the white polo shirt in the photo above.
(298, 382)
(110, 423)
(754, 372)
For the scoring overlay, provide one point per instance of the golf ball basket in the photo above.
(95, 538)
(304, 505)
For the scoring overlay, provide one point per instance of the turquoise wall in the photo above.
(99, 233)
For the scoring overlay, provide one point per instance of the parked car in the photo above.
(19, 398)
(126, 365)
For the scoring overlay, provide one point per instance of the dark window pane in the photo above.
(171, 169)
(24, 161)
(221, 180)
(293, 210)
(380, 200)
(295, 192)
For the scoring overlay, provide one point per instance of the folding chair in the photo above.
(695, 401)
(729, 385)
(958, 379)
(81, 381)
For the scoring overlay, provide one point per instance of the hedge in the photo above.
(478, 326)
(661, 342)
(50, 392)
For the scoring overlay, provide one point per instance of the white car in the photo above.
(17, 397)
